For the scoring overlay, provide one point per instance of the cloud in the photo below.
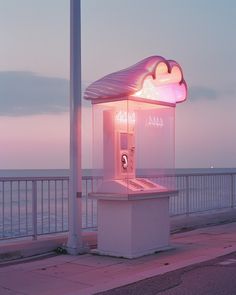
(202, 92)
(25, 93)
(165, 86)
(164, 79)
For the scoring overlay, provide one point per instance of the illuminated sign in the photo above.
(124, 118)
(154, 121)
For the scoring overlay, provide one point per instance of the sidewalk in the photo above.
(90, 274)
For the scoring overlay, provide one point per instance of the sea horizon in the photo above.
(88, 172)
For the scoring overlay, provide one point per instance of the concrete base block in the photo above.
(133, 228)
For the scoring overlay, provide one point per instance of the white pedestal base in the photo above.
(133, 227)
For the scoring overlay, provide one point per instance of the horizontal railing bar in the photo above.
(31, 178)
(40, 178)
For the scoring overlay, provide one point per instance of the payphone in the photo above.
(119, 144)
(133, 117)
(119, 155)
(133, 155)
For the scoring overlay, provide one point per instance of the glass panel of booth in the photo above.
(133, 146)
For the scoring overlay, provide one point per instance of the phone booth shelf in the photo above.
(133, 152)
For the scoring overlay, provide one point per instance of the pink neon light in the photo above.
(153, 78)
(160, 90)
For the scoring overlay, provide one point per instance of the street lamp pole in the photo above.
(74, 244)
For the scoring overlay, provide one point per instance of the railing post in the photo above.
(232, 190)
(34, 208)
(187, 194)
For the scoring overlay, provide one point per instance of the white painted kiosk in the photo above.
(133, 150)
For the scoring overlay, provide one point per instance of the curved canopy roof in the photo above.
(153, 78)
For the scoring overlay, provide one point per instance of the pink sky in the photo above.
(42, 141)
(35, 38)
(34, 142)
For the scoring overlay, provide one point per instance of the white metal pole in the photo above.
(74, 244)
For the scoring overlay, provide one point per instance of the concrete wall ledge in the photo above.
(202, 219)
(21, 248)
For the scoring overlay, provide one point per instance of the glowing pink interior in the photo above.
(133, 127)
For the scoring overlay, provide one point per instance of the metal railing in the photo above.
(203, 192)
(35, 206)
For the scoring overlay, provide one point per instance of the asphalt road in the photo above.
(214, 277)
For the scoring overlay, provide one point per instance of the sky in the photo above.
(34, 73)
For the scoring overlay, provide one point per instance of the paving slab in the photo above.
(89, 274)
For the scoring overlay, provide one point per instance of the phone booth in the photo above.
(133, 154)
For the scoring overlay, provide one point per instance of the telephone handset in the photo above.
(127, 154)
(118, 147)
(124, 161)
